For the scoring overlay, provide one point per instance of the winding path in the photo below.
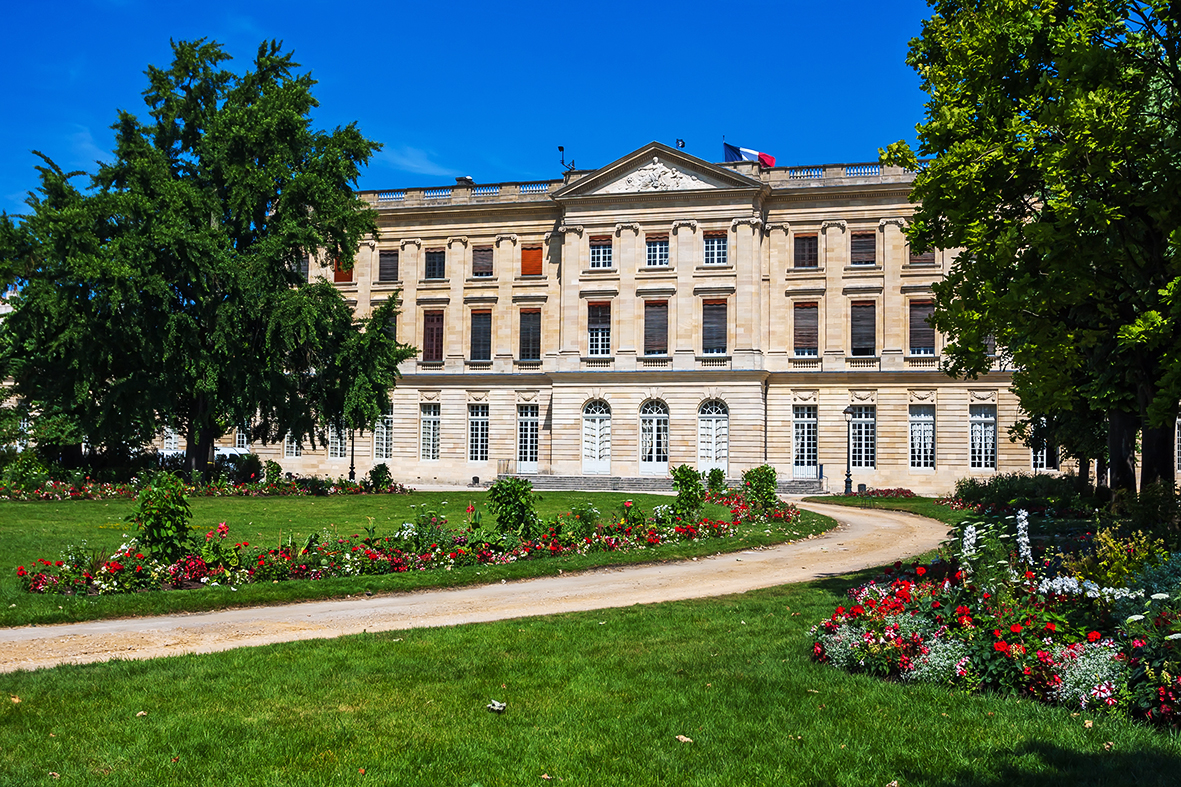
(864, 538)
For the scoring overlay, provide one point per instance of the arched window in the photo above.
(654, 437)
(596, 437)
(713, 436)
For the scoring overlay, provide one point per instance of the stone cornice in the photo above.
(510, 238)
(407, 241)
(690, 223)
(840, 224)
(627, 225)
(898, 221)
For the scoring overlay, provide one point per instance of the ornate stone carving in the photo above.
(457, 239)
(784, 226)
(428, 396)
(754, 221)
(863, 397)
(627, 225)
(690, 223)
(477, 396)
(510, 238)
(656, 176)
(654, 393)
(527, 397)
(897, 221)
(839, 224)
(576, 228)
(922, 397)
(805, 397)
(407, 241)
(982, 396)
(372, 244)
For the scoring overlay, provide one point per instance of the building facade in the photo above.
(664, 310)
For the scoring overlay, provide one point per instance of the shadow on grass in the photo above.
(1050, 765)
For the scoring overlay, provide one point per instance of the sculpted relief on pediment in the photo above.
(656, 176)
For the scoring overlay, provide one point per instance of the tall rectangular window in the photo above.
(863, 436)
(339, 274)
(805, 456)
(482, 261)
(713, 327)
(527, 437)
(598, 323)
(338, 444)
(242, 437)
(171, 438)
(922, 333)
(482, 335)
(1044, 457)
(600, 251)
(922, 435)
(291, 447)
(530, 346)
(428, 446)
(436, 264)
(531, 261)
(387, 265)
(383, 434)
(982, 426)
(655, 327)
(716, 248)
(432, 336)
(657, 250)
(305, 267)
(807, 251)
(863, 328)
(864, 248)
(806, 331)
(477, 432)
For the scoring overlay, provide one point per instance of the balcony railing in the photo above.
(443, 193)
(862, 170)
(805, 173)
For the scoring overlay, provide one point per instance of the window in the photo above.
(863, 328)
(713, 436)
(713, 328)
(387, 265)
(531, 261)
(436, 264)
(598, 323)
(806, 334)
(242, 438)
(716, 247)
(428, 447)
(922, 436)
(655, 327)
(383, 434)
(482, 335)
(432, 336)
(864, 248)
(171, 438)
(982, 423)
(291, 447)
(338, 444)
(600, 251)
(339, 274)
(654, 437)
(807, 253)
(1044, 457)
(922, 258)
(922, 333)
(596, 437)
(863, 436)
(805, 457)
(527, 438)
(477, 433)
(990, 346)
(658, 250)
(482, 261)
(530, 346)
(305, 267)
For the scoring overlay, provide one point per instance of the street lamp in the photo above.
(849, 450)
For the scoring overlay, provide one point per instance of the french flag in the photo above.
(746, 154)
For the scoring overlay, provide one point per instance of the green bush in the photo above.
(1038, 493)
(690, 492)
(274, 473)
(162, 517)
(716, 481)
(26, 472)
(514, 505)
(379, 478)
(761, 485)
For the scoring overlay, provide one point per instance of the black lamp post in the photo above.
(849, 450)
(352, 457)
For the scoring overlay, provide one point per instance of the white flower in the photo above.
(1134, 618)
(1174, 636)
(1160, 596)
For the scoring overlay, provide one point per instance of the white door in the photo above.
(805, 462)
(596, 438)
(654, 438)
(527, 438)
(713, 436)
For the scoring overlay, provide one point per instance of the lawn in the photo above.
(42, 529)
(593, 698)
(923, 506)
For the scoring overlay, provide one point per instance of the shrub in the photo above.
(1008, 492)
(274, 473)
(716, 481)
(163, 517)
(761, 486)
(690, 492)
(26, 472)
(1114, 561)
(514, 505)
(379, 477)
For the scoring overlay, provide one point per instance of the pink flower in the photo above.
(222, 529)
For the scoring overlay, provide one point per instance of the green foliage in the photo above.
(162, 517)
(1114, 560)
(1039, 492)
(630, 515)
(1155, 509)
(218, 551)
(514, 506)
(273, 471)
(690, 492)
(716, 481)
(379, 477)
(25, 472)
(761, 487)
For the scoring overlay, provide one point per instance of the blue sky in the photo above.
(487, 90)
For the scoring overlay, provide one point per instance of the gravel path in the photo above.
(865, 538)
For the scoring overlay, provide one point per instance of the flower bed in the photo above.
(898, 493)
(997, 612)
(93, 490)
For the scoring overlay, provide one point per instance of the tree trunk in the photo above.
(201, 434)
(1101, 472)
(1156, 457)
(1083, 481)
(1121, 448)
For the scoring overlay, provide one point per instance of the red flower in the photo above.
(1094, 636)
(920, 571)
(934, 605)
(1051, 627)
(1015, 628)
(996, 633)
(1001, 647)
(1029, 575)
(627, 504)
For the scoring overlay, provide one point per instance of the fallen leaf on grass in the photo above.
(55, 774)
(893, 783)
(361, 771)
(176, 759)
(1088, 724)
(1107, 746)
(684, 739)
(547, 777)
(142, 713)
(813, 691)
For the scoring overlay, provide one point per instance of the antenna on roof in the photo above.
(569, 166)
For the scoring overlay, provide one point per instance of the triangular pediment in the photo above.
(654, 169)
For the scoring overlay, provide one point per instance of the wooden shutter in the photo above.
(482, 335)
(598, 315)
(806, 328)
(922, 333)
(387, 265)
(925, 258)
(436, 264)
(600, 240)
(531, 261)
(339, 274)
(655, 236)
(807, 254)
(865, 246)
(482, 261)
(530, 335)
(655, 327)
(714, 234)
(863, 328)
(713, 327)
(432, 336)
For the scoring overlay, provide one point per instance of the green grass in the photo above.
(41, 530)
(593, 699)
(923, 506)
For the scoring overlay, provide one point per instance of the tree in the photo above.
(170, 292)
(1057, 165)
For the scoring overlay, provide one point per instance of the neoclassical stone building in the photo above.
(665, 310)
